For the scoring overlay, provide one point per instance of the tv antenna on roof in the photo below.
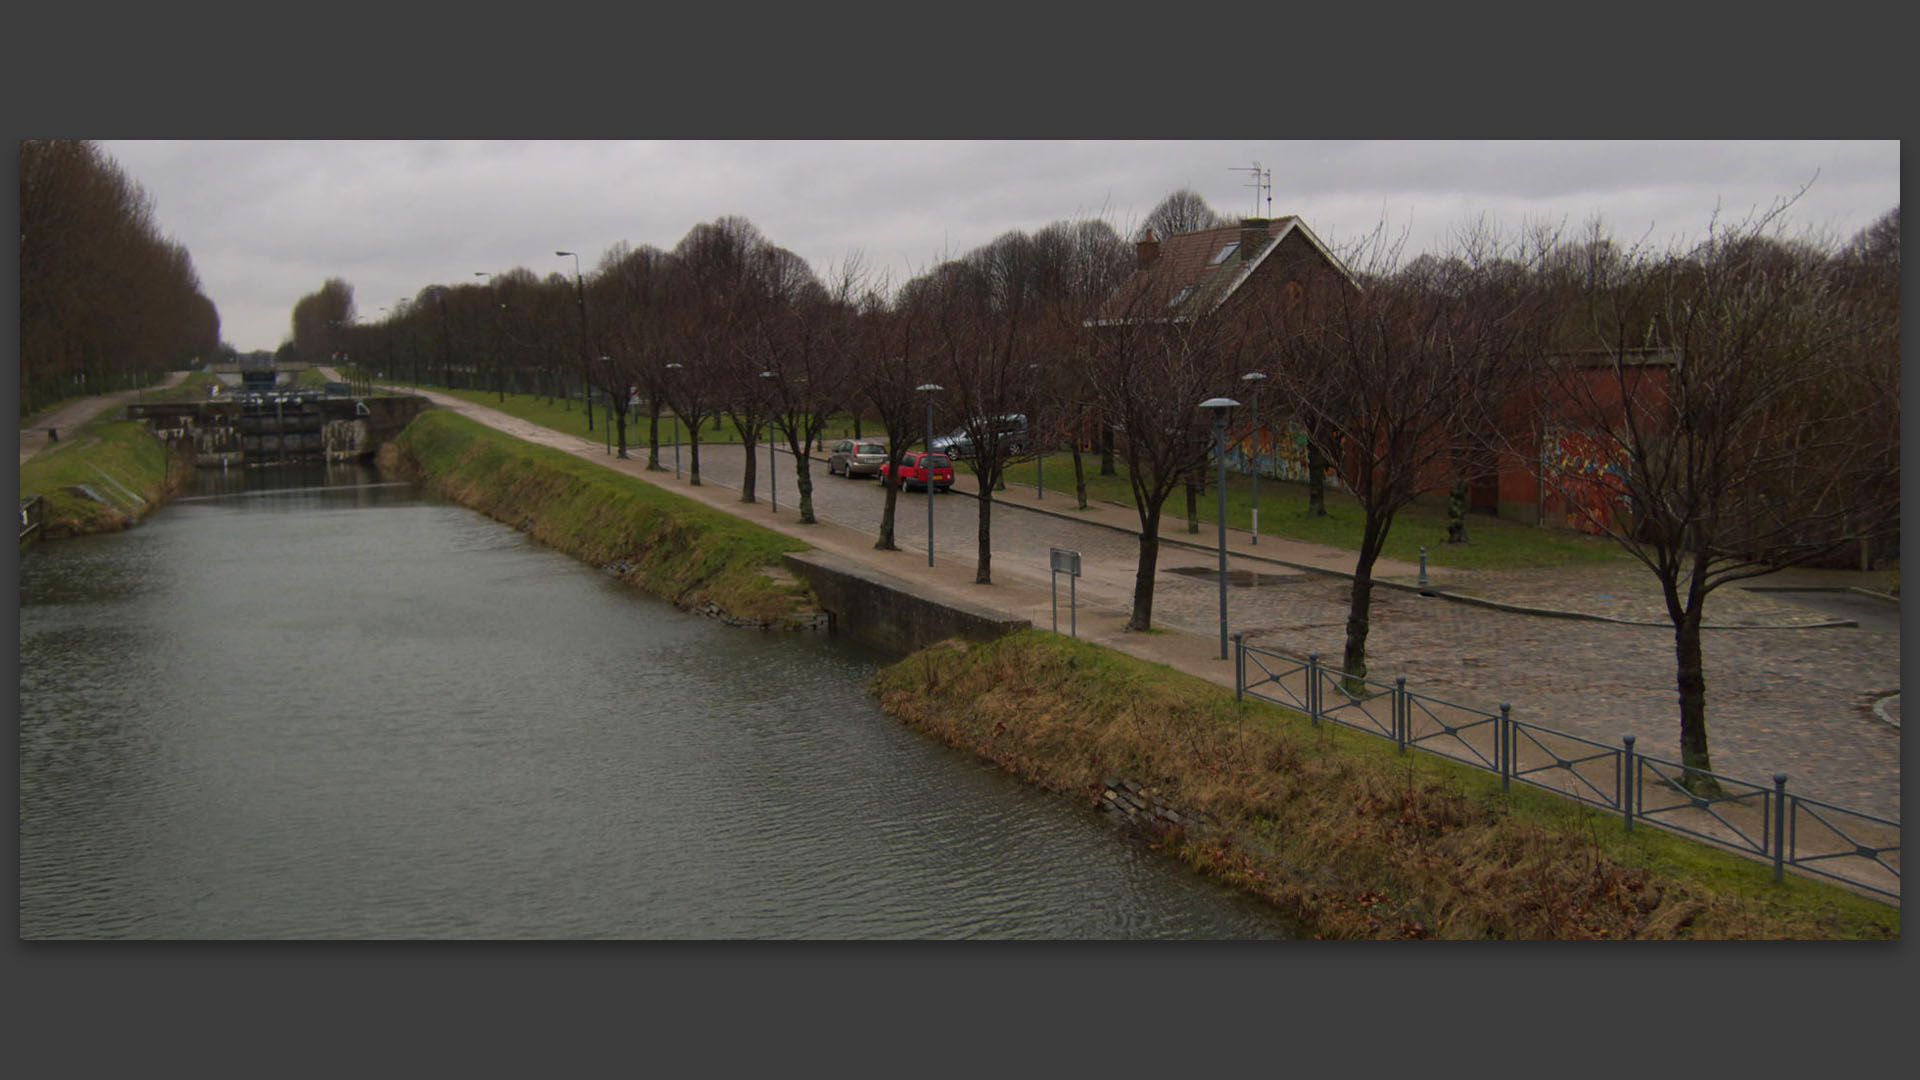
(1261, 178)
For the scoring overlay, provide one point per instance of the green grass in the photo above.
(1493, 543)
(123, 449)
(675, 547)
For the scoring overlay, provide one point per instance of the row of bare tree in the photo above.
(1745, 388)
(106, 301)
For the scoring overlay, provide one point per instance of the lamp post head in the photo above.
(1220, 405)
(565, 253)
(1253, 377)
(929, 387)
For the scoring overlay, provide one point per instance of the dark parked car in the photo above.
(916, 464)
(857, 457)
(1012, 429)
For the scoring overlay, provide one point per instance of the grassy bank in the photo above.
(1336, 828)
(117, 460)
(1494, 543)
(686, 552)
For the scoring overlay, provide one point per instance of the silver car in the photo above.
(857, 457)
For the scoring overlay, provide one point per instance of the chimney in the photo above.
(1253, 237)
(1148, 248)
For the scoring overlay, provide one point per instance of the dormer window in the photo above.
(1180, 297)
(1225, 253)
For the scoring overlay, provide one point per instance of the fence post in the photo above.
(1400, 711)
(1779, 825)
(1313, 688)
(1503, 745)
(1626, 781)
(1239, 664)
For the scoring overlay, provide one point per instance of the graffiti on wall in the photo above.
(1584, 471)
(1281, 455)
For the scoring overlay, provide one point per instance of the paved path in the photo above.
(1783, 696)
(69, 417)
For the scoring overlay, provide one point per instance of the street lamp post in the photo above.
(1220, 405)
(1040, 448)
(580, 291)
(609, 424)
(773, 471)
(926, 464)
(676, 428)
(499, 361)
(1253, 378)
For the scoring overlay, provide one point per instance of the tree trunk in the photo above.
(1106, 452)
(1142, 617)
(750, 475)
(1457, 513)
(1316, 480)
(984, 576)
(1360, 605)
(803, 474)
(892, 490)
(620, 433)
(653, 437)
(693, 454)
(1691, 675)
(1193, 506)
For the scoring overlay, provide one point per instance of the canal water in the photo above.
(305, 703)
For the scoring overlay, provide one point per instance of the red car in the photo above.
(914, 465)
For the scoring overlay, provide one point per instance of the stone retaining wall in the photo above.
(886, 612)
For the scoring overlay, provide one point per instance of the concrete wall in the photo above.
(893, 613)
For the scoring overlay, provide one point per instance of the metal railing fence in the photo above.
(1758, 820)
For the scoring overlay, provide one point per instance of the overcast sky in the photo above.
(267, 222)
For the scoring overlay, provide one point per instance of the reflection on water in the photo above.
(306, 703)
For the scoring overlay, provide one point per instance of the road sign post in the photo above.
(1062, 561)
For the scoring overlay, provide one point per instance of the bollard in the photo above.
(1423, 566)
(1779, 825)
(1626, 781)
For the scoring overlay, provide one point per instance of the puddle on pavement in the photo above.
(1242, 579)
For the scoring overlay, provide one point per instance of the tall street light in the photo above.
(499, 361)
(608, 426)
(1220, 405)
(773, 471)
(1040, 449)
(676, 426)
(580, 291)
(926, 463)
(1253, 378)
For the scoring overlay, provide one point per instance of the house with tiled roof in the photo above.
(1187, 275)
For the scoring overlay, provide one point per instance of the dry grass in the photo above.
(1351, 838)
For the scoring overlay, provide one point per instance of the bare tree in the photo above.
(1392, 379)
(1181, 212)
(1745, 407)
(1149, 376)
